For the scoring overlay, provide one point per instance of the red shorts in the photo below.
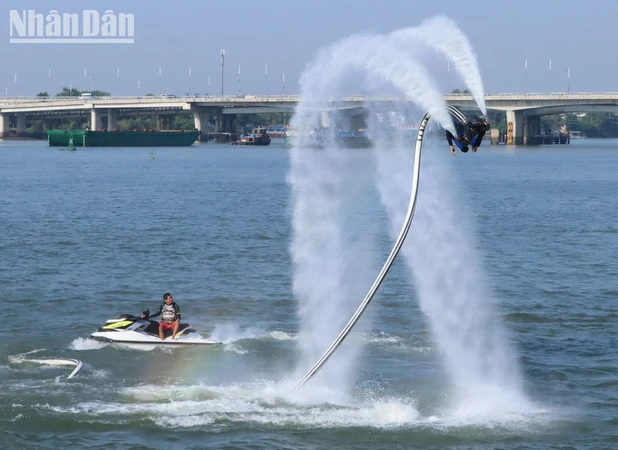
(166, 326)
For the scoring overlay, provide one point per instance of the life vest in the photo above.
(168, 313)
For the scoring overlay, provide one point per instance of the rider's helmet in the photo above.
(464, 148)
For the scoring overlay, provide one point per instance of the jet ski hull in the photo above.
(129, 329)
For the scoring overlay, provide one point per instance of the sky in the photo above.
(269, 44)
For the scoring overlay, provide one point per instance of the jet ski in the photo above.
(130, 329)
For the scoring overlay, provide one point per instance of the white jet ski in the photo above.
(129, 329)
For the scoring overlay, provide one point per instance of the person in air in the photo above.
(170, 316)
(472, 133)
(461, 138)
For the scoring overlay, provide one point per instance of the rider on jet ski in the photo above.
(170, 316)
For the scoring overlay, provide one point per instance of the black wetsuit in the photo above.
(461, 134)
(466, 133)
(477, 128)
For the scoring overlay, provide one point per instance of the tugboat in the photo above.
(258, 136)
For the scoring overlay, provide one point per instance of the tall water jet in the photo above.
(321, 184)
(443, 35)
(452, 290)
(377, 56)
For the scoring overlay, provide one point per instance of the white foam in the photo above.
(282, 336)
(86, 344)
(267, 403)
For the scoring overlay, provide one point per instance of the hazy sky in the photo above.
(285, 36)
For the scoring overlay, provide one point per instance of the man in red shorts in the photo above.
(170, 316)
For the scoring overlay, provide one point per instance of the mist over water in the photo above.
(452, 287)
(440, 251)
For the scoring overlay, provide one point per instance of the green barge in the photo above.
(87, 138)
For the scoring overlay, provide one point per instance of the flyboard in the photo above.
(22, 358)
(391, 257)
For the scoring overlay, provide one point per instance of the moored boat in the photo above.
(258, 136)
(149, 138)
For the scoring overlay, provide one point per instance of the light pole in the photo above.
(222, 68)
(283, 82)
(239, 85)
(189, 80)
(568, 79)
(526, 76)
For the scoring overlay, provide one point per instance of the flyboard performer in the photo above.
(472, 133)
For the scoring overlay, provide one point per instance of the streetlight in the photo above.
(239, 85)
(568, 79)
(189, 80)
(222, 67)
(159, 80)
(526, 76)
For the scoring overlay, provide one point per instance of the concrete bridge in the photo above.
(523, 111)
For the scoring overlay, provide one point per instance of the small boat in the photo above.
(258, 136)
(130, 329)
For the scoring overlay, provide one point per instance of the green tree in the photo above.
(69, 92)
(184, 122)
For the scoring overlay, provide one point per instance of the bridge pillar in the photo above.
(20, 124)
(96, 122)
(231, 123)
(201, 117)
(4, 125)
(532, 128)
(112, 119)
(515, 127)
(219, 123)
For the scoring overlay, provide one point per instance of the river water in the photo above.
(89, 234)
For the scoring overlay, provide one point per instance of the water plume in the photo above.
(378, 56)
(448, 275)
(328, 280)
(443, 35)
(446, 269)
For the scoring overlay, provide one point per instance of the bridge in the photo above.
(523, 111)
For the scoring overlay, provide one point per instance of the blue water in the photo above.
(100, 231)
